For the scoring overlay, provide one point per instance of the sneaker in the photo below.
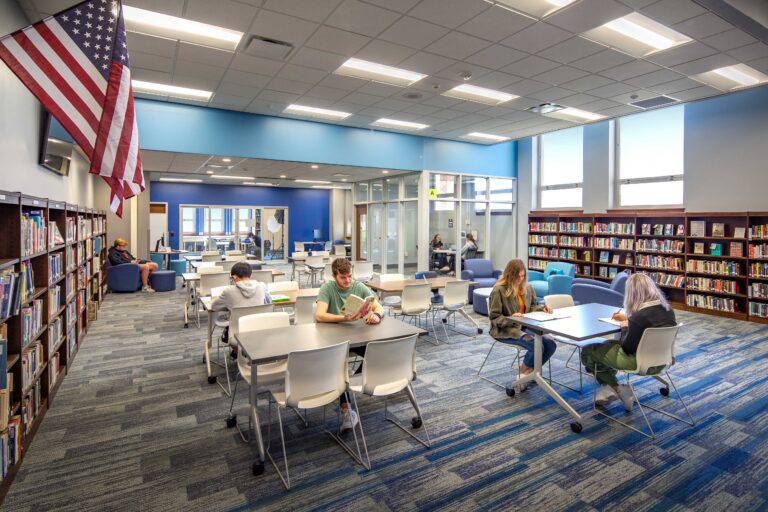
(627, 397)
(605, 395)
(348, 420)
(446, 268)
(148, 289)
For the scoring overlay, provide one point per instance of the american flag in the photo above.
(76, 65)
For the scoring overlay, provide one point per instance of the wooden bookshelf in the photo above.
(709, 262)
(35, 381)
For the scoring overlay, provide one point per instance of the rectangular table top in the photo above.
(397, 286)
(195, 276)
(582, 324)
(304, 292)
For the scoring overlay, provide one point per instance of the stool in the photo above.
(478, 300)
(178, 266)
(163, 280)
(159, 259)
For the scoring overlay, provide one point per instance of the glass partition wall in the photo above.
(257, 230)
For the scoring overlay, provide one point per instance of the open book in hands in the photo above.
(355, 305)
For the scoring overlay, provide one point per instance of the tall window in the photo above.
(188, 221)
(651, 158)
(561, 168)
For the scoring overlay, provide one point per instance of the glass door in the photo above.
(392, 263)
(361, 219)
(376, 213)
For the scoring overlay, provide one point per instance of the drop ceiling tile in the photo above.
(314, 101)
(496, 80)
(703, 25)
(551, 94)
(234, 89)
(582, 16)
(456, 45)
(289, 86)
(313, 10)
(610, 90)
(598, 105)
(317, 59)
(170, 7)
(577, 100)
(621, 110)
(281, 27)
(571, 49)
(496, 56)
(536, 37)
(684, 53)
(448, 13)
(459, 70)
(196, 81)
(229, 102)
(426, 63)
(697, 93)
(525, 87)
(530, 66)
(185, 67)
(750, 52)
(441, 101)
(695, 67)
(413, 32)
(560, 75)
(337, 41)
(257, 65)
(523, 103)
(630, 70)
(392, 104)
(378, 89)
(151, 62)
(447, 114)
(302, 74)
(676, 86)
(359, 98)
(671, 12)
(279, 97)
(150, 75)
(637, 95)
(469, 106)
(342, 82)
(436, 84)
(385, 53)
(657, 77)
(586, 83)
(729, 40)
(759, 64)
(222, 13)
(376, 113)
(495, 24)
(151, 45)
(396, 5)
(204, 55)
(360, 18)
(602, 60)
(259, 106)
(421, 110)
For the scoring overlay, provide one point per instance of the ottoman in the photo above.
(163, 280)
(178, 266)
(478, 300)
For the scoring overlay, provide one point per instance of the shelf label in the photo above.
(35, 202)
(2, 197)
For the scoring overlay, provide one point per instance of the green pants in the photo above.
(609, 357)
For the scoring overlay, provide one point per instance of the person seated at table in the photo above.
(439, 259)
(645, 306)
(330, 300)
(469, 248)
(118, 254)
(511, 298)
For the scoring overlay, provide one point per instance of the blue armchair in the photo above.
(125, 278)
(556, 278)
(586, 291)
(481, 272)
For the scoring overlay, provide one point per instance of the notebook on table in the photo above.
(541, 316)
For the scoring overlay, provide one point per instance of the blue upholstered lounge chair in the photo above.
(587, 291)
(481, 272)
(125, 278)
(556, 279)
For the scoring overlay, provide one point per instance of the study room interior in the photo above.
(396, 255)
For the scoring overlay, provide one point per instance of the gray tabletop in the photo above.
(582, 324)
(271, 344)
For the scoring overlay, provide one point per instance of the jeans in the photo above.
(548, 348)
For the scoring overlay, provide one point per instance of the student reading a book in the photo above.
(330, 302)
(645, 306)
(512, 297)
(118, 254)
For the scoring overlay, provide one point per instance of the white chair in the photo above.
(205, 264)
(208, 280)
(328, 272)
(454, 300)
(298, 247)
(236, 257)
(262, 276)
(298, 266)
(304, 311)
(339, 250)
(268, 373)
(566, 301)
(388, 368)
(312, 268)
(509, 389)
(211, 257)
(416, 301)
(323, 254)
(391, 301)
(314, 378)
(362, 270)
(209, 253)
(656, 349)
(227, 265)
(236, 252)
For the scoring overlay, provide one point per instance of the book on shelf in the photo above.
(612, 272)
(698, 248)
(739, 232)
(5, 405)
(680, 230)
(716, 249)
(616, 259)
(698, 228)
(645, 229)
(736, 249)
(718, 229)
(603, 256)
(629, 260)
(669, 229)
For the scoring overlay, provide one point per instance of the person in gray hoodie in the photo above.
(242, 293)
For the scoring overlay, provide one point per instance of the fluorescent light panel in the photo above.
(222, 177)
(259, 184)
(537, 8)
(479, 94)
(637, 35)
(401, 125)
(728, 78)
(311, 181)
(322, 113)
(330, 186)
(172, 91)
(181, 180)
(364, 69)
(487, 137)
(163, 25)
(574, 115)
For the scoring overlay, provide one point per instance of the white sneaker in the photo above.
(605, 395)
(148, 289)
(349, 420)
(627, 397)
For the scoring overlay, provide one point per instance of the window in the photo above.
(188, 221)
(561, 168)
(217, 221)
(651, 177)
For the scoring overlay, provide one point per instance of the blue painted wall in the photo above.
(307, 208)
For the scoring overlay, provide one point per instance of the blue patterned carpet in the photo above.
(135, 426)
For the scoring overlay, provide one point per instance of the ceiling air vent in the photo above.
(545, 108)
(266, 47)
(654, 102)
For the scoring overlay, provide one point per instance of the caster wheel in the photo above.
(664, 391)
(212, 379)
(416, 422)
(186, 326)
(510, 392)
(576, 427)
(257, 468)
(445, 320)
(203, 359)
(479, 331)
(232, 421)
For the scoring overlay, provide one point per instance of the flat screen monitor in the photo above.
(55, 145)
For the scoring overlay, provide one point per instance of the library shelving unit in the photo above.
(43, 325)
(709, 262)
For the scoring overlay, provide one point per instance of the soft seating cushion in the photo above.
(478, 300)
(179, 266)
(163, 280)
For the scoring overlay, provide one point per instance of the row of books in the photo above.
(83, 276)
(10, 293)
(712, 302)
(758, 231)
(584, 269)
(719, 229)
(71, 229)
(725, 268)
(671, 280)
(575, 227)
(660, 262)
(665, 245)
(542, 239)
(609, 272)
(71, 313)
(80, 254)
(71, 338)
(26, 280)
(574, 241)
(55, 266)
(758, 251)
(32, 360)
(604, 257)
(662, 229)
(89, 248)
(758, 270)
(537, 264)
(614, 228)
(70, 285)
(54, 299)
(626, 244)
(70, 254)
(85, 227)
(54, 235)
(706, 284)
(31, 321)
(30, 407)
(568, 254)
(55, 332)
(54, 366)
(542, 251)
(735, 249)
(543, 226)
(10, 446)
(34, 233)
(758, 309)
(757, 290)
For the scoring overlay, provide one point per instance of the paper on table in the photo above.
(610, 321)
(541, 316)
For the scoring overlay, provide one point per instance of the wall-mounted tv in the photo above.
(56, 145)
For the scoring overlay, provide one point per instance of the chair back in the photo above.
(362, 270)
(213, 269)
(471, 253)
(233, 253)
(328, 272)
(656, 348)
(300, 254)
(298, 246)
(210, 281)
(304, 310)
(227, 265)
(290, 288)
(479, 266)
(314, 261)
(211, 257)
(385, 278)
(217, 291)
(619, 283)
(389, 365)
(205, 264)
(210, 253)
(235, 314)
(236, 257)
(456, 293)
(566, 269)
(257, 322)
(316, 377)
(263, 276)
(339, 250)
(322, 254)
(559, 301)
(416, 298)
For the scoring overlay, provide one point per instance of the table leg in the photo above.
(186, 305)
(208, 341)
(258, 466)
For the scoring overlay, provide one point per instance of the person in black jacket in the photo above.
(118, 254)
(645, 306)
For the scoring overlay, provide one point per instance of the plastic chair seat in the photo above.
(580, 344)
(308, 403)
(389, 388)
(267, 373)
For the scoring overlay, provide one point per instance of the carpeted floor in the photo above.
(135, 426)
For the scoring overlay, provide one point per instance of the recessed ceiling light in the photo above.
(401, 125)
(208, 172)
(341, 175)
(311, 181)
(384, 172)
(538, 8)
(575, 115)
(358, 68)
(163, 25)
(283, 176)
(322, 113)
(637, 35)
(181, 180)
(343, 179)
(330, 186)
(485, 137)
(218, 166)
(479, 94)
(222, 177)
(171, 91)
(227, 160)
(259, 184)
(315, 166)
